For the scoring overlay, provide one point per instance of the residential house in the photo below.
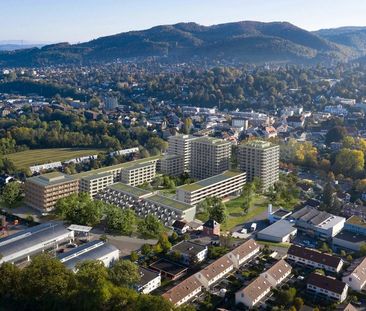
(356, 279)
(149, 281)
(244, 253)
(211, 227)
(253, 293)
(327, 287)
(277, 273)
(190, 252)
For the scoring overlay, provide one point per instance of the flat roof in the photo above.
(350, 237)
(281, 212)
(117, 166)
(52, 178)
(169, 202)
(259, 144)
(168, 266)
(97, 175)
(211, 180)
(211, 140)
(188, 247)
(147, 275)
(357, 221)
(133, 191)
(279, 228)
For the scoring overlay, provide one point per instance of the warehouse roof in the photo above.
(279, 229)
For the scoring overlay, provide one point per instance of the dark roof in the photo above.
(327, 283)
(179, 224)
(211, 224)
(147, 275)
(314, 255)
(167, 266)
(188, 247)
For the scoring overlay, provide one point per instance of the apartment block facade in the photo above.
(209, 157)
(139, 174)
(181, 145)
(172, 165)
(42, 192)
(260, 159)
(95, 183)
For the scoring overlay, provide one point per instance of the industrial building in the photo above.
(222, 185)
(209, 157)
(260, 159)
(281, 231)
(94, 250)
(146, 202)
(21, 246)
(42, 192)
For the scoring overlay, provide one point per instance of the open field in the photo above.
(24, 159)
(234, 211)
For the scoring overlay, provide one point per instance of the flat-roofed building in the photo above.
(209, 157)
(184, 291)
(149, 280)
(356, 276)
(145, 202)
(222, 185)
(93, 250)
(169, 269)
(92, 184)
(181, 145)
(244, 252)
(190, 252)
(24, 244)
(42, 192)
(314, 259)
(252, 294)
(327, 287)
(172, 165)
(139, 174)
(280, 231)
(356, 224)
(260, 159)
(215, 271)
(276, 274)
(348, 241)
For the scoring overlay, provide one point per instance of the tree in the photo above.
(80, 209)
(134, 256)
(124, 273)
(121, 220)
(164, 242)
(248, 196)
(286, 297)
(328, 195)
(363, 249)
(349, 162)
(217, 210)
(298, 303)
(150, 226)
(335, 134)
(10, 283)
(11, 193)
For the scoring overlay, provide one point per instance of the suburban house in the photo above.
(356, 279)
(277, 273)
(190, 252)
(211, 227)
(253, 293)
(150, 280)
(313, 258)
(244, 252)
(180, 226)
(327, 287)
(215, 271)
(184, 291)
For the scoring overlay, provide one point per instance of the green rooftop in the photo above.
(165, 201)
(357, 221)
(52, 178)
(134, 191)
(259, 144)
(115, 167)
(212, 140)
(210, 181)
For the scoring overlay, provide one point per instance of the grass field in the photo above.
(24, 159)
(234, 211)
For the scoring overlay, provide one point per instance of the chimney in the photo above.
(269, 209)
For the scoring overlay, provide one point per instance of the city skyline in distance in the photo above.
(77, 21)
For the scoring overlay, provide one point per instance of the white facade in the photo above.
(357, 278)
(244, 253)
(139, 174)
(215, 271)
(328, 293)
(253, 293)
(95, 183)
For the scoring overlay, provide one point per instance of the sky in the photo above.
(83, 20)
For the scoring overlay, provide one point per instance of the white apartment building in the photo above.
(181, 145)
(314, 259)
(253, 293)
(260, 159)
(327, 287)
(215, 271)
(184, 291)
(92, 184)
(244, 252)
(139, 174)
(172, 165)
(356, 279)
(149, 280)
(222, 185)
(209, 157)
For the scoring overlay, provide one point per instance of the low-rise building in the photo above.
(222, 185)
(253, 293)
(211, 228)
(356, 277)
(169, 269)
(356, 224)
(180, 226)
(42, 192)
(93, 250)
(184, 291)
(24, 244)
(314, 259)
(349, 241)
(327, 287)
(149, 280)
(190, 252)
(244, 252)
(172, 165)
(215, 271)
(280, 231)
(277, 273)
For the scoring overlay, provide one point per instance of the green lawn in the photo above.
(24, 159)
(283, 245)
(234, 211)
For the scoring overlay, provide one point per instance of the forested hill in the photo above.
(247, 41)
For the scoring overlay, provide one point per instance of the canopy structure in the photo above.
(79, 228)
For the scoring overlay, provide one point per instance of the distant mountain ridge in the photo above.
(247, 41)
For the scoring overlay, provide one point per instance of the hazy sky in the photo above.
(81, 20)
